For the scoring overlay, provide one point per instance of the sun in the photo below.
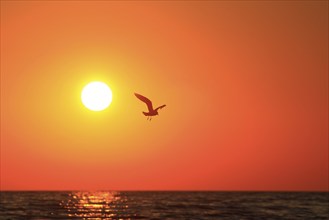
(96, 96)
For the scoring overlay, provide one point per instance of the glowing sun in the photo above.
(96, 96)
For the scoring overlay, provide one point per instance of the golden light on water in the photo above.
(95, 205)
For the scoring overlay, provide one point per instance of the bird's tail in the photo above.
(145, 113)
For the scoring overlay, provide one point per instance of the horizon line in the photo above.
(158, 190)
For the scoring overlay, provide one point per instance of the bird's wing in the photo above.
(160, 107)
(146, 100)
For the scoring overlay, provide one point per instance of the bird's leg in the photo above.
(150, 118)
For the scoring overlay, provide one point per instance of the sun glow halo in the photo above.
(96, 96)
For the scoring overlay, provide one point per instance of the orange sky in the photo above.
(245, 83)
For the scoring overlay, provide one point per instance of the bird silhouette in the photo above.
(151, 112)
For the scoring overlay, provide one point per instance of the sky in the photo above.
(245, 84)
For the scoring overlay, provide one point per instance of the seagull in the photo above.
(152, 112)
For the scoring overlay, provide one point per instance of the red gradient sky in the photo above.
(245, 83)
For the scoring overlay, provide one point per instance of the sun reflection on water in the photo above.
(94, 205)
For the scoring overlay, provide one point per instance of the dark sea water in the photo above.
(164, 205)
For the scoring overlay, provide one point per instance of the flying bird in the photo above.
(151, 112)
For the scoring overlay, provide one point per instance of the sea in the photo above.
(164, 205)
